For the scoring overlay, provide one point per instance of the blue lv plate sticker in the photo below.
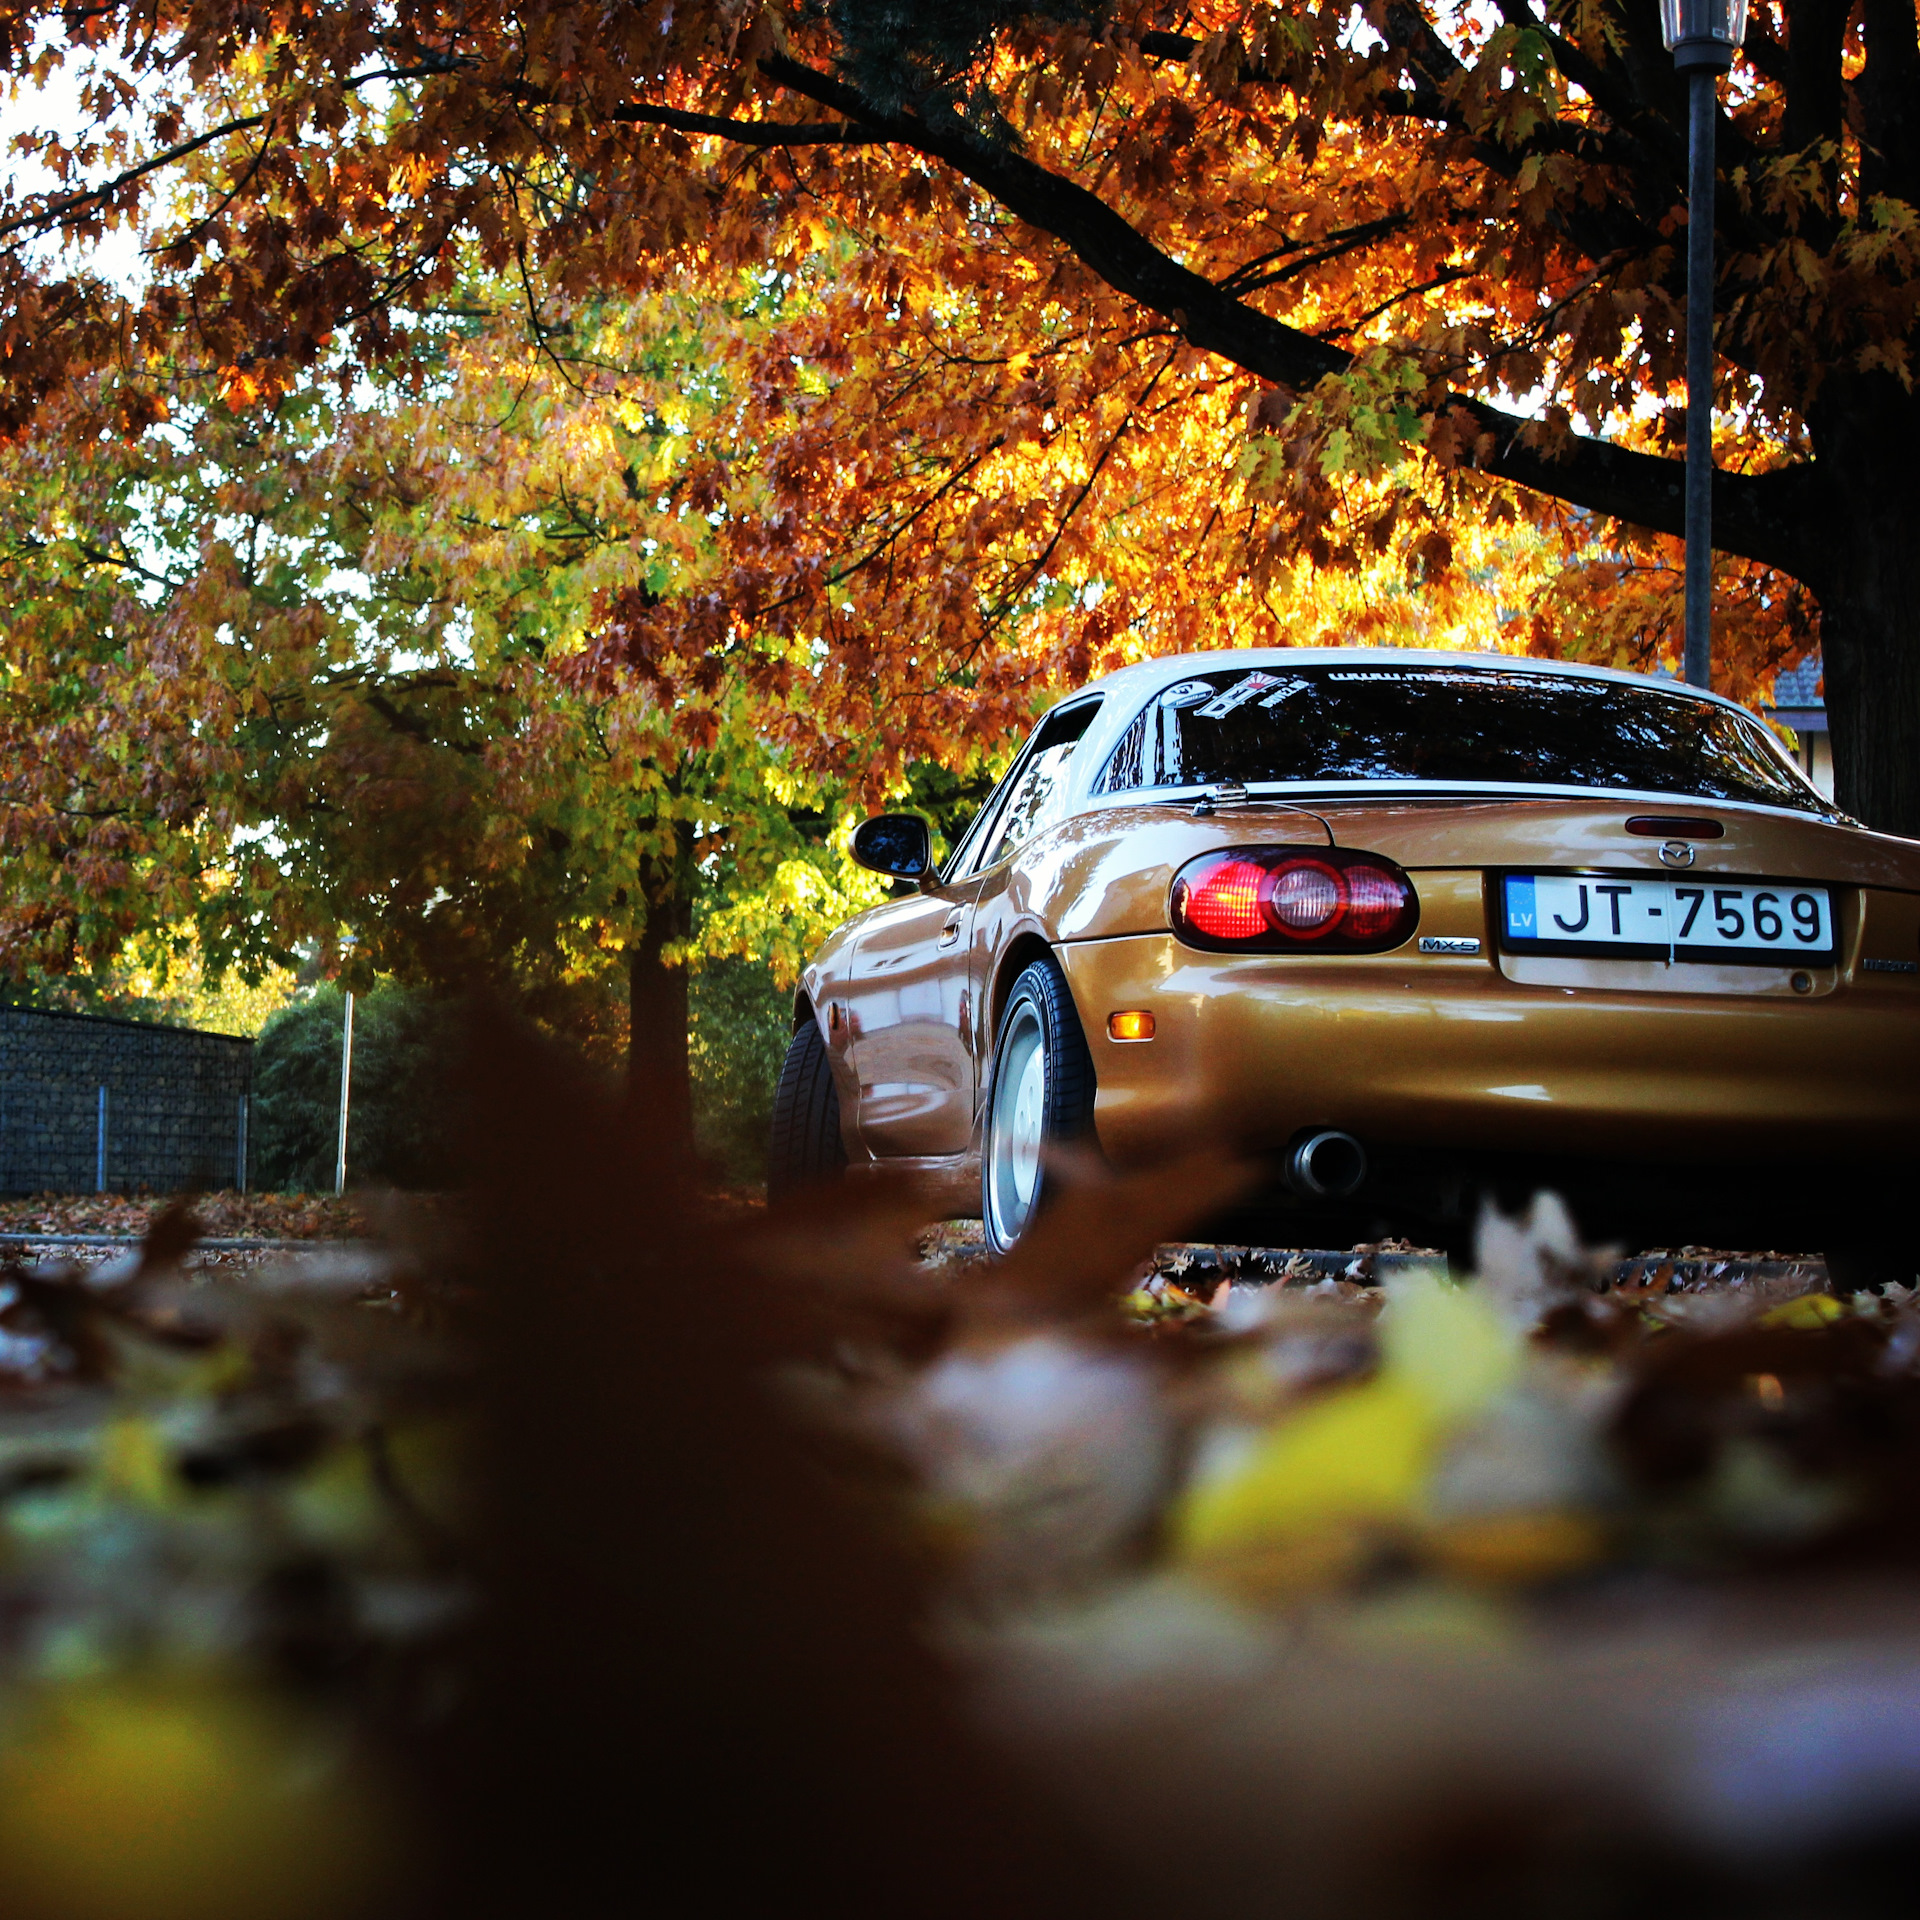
(1521, 921)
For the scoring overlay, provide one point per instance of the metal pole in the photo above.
(100, 1146)
(346, 1085)
(240, 1148)
(1700, 128)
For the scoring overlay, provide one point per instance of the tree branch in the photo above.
(55, 211)
(1815, 99)
(1763, 517)
(750, 133)
(1247, 279)
(1763, 53)
(1179, 48)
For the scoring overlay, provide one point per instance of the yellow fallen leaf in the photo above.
(1808, 1312)
(1361, 1454)
(1448, 1344)
(1305, 1505)
(183, 1799)
(133, 1466)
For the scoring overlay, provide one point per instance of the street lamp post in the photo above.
(1703, 36)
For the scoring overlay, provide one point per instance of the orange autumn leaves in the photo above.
(1430, 201)
(746, 465)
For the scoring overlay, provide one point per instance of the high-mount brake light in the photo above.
(1291, 900)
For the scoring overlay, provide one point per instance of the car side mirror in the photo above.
(896, 844)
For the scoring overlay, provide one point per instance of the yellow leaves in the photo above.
(783, 920)
(835, 409)
(240, 387)
(1218, 60)
(1315, 1492)
(1789, 186)
(1543, 181)
(1361, 1455)
(180, 1797)
(1431, 556)
(1886, 357)
(1807, 1314)
(134, 1466)
(1448, 1344)
(1508, 90)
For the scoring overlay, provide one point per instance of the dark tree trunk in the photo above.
(1869, 592)
(657, 1071)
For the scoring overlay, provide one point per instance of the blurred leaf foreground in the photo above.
(575, 1553)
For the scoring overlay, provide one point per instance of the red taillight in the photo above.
(1287, 900)
(1376, 899)
(1225, 902)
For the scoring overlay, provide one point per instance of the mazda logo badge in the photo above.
(1676, 853)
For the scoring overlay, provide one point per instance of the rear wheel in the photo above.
(1040, 1095)
(1871, 1266)
(805, 1149)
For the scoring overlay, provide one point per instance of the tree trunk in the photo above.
(659, 1084)
(1870, 614)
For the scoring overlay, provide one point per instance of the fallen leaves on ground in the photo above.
(1542, 1419)
(221, 1216)
(1559, 1562)
(1384, 1562)
(225, 1517)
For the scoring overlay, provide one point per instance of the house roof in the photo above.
(1798, 687)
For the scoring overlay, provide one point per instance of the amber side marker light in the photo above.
(1137, 1025)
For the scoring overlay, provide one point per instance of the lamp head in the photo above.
(1703, 33)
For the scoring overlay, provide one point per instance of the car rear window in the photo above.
(1455, 725)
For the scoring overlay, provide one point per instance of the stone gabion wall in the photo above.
(174, 1104)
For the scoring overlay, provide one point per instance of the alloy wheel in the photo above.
(1017, 1123)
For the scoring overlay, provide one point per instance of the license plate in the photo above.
(1765, 922)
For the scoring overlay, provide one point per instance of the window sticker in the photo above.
(1186, 693)
(1288, 689)
(1472, 678)
(1250, 687)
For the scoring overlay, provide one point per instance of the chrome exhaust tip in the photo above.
(1326, 1164)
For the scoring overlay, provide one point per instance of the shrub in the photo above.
(398, 1127)
(741, 1022)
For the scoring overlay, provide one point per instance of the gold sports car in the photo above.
(1416, 929)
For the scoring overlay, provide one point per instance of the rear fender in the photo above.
(1026, 946)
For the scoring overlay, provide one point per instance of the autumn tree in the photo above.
(311, 667)
(1399, 238)
(440, 665)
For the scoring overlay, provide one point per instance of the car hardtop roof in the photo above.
(1132, 685)
(1164, 669)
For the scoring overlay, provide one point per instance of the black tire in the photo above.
(1038, 1025)
(1871, 1267)
(805, 1148)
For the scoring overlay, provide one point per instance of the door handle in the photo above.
(950, 933)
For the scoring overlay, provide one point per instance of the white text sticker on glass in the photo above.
(1249, 687)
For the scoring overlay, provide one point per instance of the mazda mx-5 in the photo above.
(1412, 929)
